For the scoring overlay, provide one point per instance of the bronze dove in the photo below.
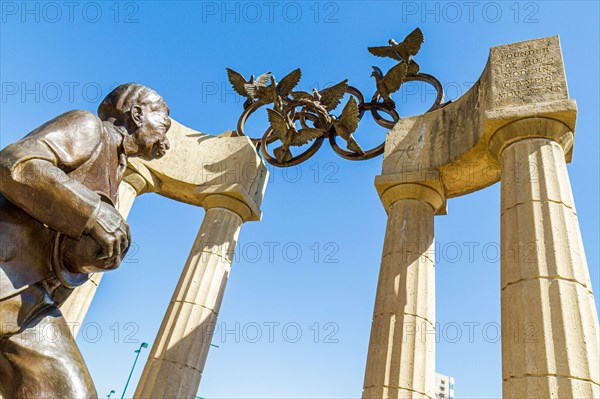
(347, 124)
(276, 92)
(404, 51)
(391, 82)
(330, 97)
(285, 130)
(240, 85)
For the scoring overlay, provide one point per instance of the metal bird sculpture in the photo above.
(391, 82)
(347, 124)
(403, 51)
(299, 117)
(240, 85)
(276, 92)
(285, 130)
(329, 98)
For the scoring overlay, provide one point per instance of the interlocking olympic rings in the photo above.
(305, 115)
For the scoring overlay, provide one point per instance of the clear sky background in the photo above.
(56, 57)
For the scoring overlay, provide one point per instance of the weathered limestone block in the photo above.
(454, 139)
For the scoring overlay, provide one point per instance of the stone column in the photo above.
(76, 306)
(550, 335)
(401, 356)
(176, 361)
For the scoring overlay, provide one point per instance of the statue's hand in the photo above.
(108, 228)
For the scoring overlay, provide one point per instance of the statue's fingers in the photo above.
(128, 232)
(107, 250)
(119, 243)
(125, 242)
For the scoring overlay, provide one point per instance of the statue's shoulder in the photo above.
(79, 122)
(72, 136)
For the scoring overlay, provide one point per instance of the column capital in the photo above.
(229, 203)
(229, 196)
(530, 128)
(395, 187)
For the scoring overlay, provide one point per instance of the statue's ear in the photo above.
(136, 115)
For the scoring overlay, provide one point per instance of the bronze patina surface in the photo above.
(58, 190)
(300, 118)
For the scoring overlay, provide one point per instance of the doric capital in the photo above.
(229, 196)
(530, 128)
(393, 188)
(227, 202)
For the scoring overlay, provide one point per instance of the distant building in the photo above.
(444, 386)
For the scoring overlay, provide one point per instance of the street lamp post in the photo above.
(110, 393)
(137, 351)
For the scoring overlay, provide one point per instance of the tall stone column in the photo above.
(550, 334)
(401, 356)
(176, 361)
(77, 305)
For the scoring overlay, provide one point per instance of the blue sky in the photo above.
(56, 57)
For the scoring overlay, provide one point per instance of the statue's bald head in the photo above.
(143, 114)
(118, 103)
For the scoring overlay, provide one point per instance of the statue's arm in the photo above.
(34, 178)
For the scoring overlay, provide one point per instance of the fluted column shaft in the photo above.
(550, 337)
(401, 356)
(176, 361)
(77, 305)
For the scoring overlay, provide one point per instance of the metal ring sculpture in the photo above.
(375, 106)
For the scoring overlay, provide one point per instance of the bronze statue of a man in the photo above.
(58, 223)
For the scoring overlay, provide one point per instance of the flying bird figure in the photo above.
(329, 98)
(276, 92)
(347, 124)
(403, 51)
(391, 82)
(285, 130)
(240, 85)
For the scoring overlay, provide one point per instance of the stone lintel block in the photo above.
(521, 80)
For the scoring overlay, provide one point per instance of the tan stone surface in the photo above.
(550, 333)
(197, 161)
(454, 139)
(401, 356)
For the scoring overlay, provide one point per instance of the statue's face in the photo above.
(151, 135)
